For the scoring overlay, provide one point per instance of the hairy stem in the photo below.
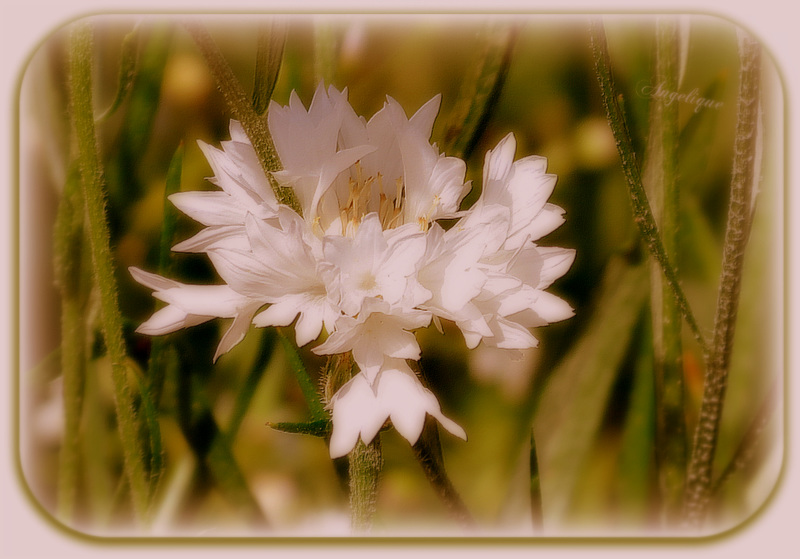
(698, 489)
(94, 199)
(69, 252)
(242, 110)
(366, 462)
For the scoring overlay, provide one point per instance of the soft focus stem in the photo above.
(366, 462)
(698, 488)
(68, 245)
(643, 215)
(94, 198)
(668, 363)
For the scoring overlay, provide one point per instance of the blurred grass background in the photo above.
(587, 389)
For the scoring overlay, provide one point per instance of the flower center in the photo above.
(390, 211)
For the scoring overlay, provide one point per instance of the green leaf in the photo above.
(211, 446)
(318, 428)
(635, 462)
(573, 403)
(248, 389)
(480, 91)
(161, 355)
(269, 55)
(306, 386)
(140, 113)
(127, 71)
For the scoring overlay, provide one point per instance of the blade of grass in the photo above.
(643, 215)
(241, 109)
(68, 248)
(161, 356)
(212, 447)
(480, 92)
(737, 231)
(661, 179)
(573, 402)
(94, 199)
(636, 456)
(248, 389)
(124, 185)
(269, 55)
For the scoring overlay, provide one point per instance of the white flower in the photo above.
(367, 262)
(360, 410)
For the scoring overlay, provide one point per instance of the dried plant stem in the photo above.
(661, 174)
(737, 231)
(94, 199)
(242, 110)
(643, 215)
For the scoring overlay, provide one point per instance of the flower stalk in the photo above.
(698, 489)
(366, 462)
(80, 62)
(68, 242)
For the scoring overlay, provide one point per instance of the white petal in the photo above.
(209, 208)
(236, 332)
(552, 308)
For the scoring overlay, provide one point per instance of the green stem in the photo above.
(366, 462)
(94, 199)
(662, 166)
(242, 110)
(737, 231)
(643, 215)
(68, 243)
